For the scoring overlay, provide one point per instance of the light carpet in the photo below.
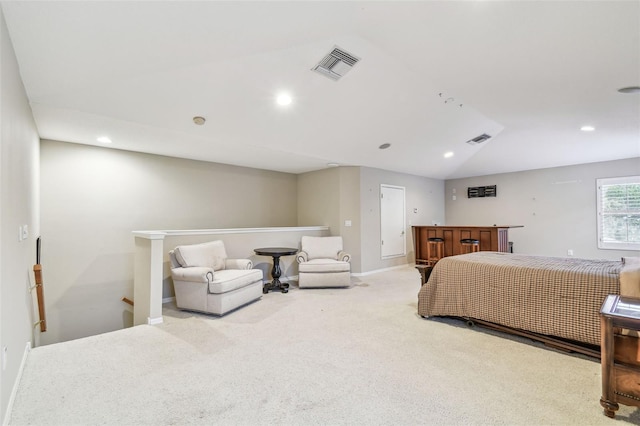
(312, 357)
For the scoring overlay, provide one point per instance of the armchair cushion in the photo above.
(231, 279)
(197, 274)
(321, 247)
(238, 264)
(211, 254)
(324, 265)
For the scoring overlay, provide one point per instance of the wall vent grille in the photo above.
(336, 64)
(482, 191)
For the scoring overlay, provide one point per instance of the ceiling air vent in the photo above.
(479, 139)
(336, 64)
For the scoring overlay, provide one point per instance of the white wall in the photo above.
(94, 197)
(557, 207)
(424, 194)
(19, 153)
(350, 210)
(319, 199)
(330, 197)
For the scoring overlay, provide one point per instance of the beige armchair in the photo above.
(323, 263)
(205, 280)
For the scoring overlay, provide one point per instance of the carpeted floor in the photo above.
(312, 357)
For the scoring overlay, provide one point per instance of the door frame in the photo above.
(404, 222)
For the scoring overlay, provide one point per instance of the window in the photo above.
(619, 213)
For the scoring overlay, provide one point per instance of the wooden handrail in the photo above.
(126, 300)
(37, 271)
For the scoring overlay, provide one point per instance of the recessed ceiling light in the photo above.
(103, 139)
(384, 146)
(199, 120)
(587, 128)
(448, 154)
(283, 99)
(630, 89)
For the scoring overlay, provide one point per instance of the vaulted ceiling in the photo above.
(431, 76)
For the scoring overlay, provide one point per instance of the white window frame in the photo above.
(612, 245)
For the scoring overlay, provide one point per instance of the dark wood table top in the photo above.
(275, 251)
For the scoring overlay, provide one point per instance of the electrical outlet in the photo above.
(347, 223)
(569, 252)
(25, 232)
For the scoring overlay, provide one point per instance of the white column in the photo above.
(147, 284)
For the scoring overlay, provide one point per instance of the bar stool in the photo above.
(469, 245)
(435, 250)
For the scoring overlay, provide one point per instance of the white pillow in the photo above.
(322, 247)
(630, 280)
(630, 286)
(211, 254)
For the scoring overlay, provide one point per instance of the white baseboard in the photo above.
(155, 321)
(375, 271)
(356, 274)
(168, 299)
(16, 384)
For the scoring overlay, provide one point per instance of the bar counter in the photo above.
(491, 238)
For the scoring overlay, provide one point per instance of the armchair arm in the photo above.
(344, 256)
(238, 264)
(196, 274)
(302, 256)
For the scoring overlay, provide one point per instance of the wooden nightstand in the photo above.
(620, 354)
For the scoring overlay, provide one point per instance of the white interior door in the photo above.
(392, 221)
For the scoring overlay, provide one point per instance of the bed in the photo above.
(552, 298)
